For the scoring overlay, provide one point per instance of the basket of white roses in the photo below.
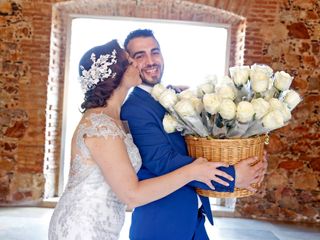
(227, 119)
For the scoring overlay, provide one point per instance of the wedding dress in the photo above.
(88, 209)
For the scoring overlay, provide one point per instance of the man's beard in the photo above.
(155, 79)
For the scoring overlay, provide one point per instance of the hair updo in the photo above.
(98, 94)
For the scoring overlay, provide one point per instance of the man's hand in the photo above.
(178, 88)
(247, 173)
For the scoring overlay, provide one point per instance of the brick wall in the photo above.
(24, 61)
(283, 34)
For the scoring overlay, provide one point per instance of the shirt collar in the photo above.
(145, 87)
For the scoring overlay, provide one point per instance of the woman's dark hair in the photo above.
(98, 94)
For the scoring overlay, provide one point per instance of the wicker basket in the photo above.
(230, 151)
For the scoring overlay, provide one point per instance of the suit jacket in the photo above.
(176, 215)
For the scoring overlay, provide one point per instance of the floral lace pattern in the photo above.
(88, 209)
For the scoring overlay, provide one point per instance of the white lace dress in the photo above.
(88, 209)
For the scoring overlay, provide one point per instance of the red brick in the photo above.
(290, 165)
(275, 145)
(298, 30)
(16, 131)
(300, 83)
(315, 164)
(17, 196)
(300, 146)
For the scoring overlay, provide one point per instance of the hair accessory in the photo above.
(99, 70)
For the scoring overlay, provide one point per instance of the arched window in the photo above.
(189, 15)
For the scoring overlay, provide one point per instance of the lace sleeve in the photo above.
(99, 125)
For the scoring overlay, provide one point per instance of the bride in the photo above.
(102, 179)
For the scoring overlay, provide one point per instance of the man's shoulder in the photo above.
(133, 106)
(132, 103)
(136, 99)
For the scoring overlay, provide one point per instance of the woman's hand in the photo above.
(264, 168)
(205, 171)
(249, 172)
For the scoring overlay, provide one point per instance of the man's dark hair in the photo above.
(138, 33)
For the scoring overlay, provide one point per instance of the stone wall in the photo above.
(24, 61)
(283, 34)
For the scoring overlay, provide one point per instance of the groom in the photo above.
(180, 215)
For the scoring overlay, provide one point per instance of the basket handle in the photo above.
(267, 139)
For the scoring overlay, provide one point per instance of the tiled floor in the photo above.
(32, 224)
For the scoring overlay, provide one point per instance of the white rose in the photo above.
(267, 95)
(285, 111)
(276, 104)
(168, 98)
(260, 106)
(211, 78)
(185, 108)
(226, 91)
(224, 80)
(169, 123)
(211, 103)
(259, 76)
(197, 104)
(186, 94)
(245, 112)
(204, 88)
(157, 90)
(292, 99)
(282, 80)
(263, 68)
(259, 82)
(227, 109)
(273, 120)
(239, 74)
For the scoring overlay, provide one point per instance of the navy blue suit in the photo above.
(175, 216)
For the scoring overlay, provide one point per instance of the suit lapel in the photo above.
(146, 99)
